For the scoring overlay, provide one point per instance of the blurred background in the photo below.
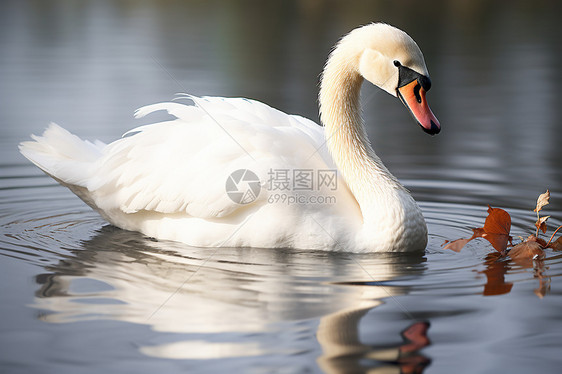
(76, 293)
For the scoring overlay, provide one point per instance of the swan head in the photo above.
(390, 59)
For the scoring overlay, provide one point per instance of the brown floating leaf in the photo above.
(556, 245)
(527, 250)
(552, 237)
(498, 241)
(497, 227)
(457, 245)
(497, 222)
(496, 231)
(542, 201)
(541, 224)
(533, 238)
(541, 241)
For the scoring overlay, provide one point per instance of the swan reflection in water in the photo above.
(237, 302)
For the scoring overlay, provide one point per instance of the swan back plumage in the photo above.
(214, 138)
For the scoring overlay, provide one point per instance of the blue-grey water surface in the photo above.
(80, 296)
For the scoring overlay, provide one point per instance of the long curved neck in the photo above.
(346, 138)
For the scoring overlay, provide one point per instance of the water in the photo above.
(79, 296)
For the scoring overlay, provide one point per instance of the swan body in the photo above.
(181, 179)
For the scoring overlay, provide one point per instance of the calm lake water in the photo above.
(79, 296)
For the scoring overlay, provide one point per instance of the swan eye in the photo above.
(397, 63)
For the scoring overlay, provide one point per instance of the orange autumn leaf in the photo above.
(497, 222)
(457, 245)
(498, 241)
(496, 231)
(497, 227)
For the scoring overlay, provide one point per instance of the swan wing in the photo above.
(182, 165)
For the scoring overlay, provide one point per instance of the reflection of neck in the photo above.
(338, 334)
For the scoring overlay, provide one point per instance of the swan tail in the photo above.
(62, 155)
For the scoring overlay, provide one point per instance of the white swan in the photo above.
(170, 180)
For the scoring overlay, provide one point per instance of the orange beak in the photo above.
(413, 96)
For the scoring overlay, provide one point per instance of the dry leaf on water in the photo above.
(527, 254)
(556, 245)
(496, 231)
(497, 222)
(529, 249)
(541, 223)
(457, 245)
(542, 201)
(497, 227)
